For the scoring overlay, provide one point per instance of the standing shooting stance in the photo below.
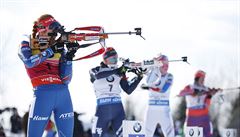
(197, 98)
(108, 80)
(159, 82)
(49, 67)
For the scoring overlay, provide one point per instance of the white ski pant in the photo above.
(159, 115)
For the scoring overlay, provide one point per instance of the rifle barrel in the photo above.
(236, 88)
(175, 60)
(112, 33)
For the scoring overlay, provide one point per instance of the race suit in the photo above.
(107, 84)
(158, 111)
(197, 98)
(50, 74)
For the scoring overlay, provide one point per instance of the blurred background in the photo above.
(206, 31)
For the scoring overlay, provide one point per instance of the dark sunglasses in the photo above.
(54, 26)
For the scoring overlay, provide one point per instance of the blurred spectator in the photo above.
(25, 123)
(88, 133)
(2, 134)
(78, 126)
(7, 109)
(16, 122)
(158, 131)
(1, 111)
(178, 129)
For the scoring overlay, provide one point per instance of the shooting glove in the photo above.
(145, 87)
(72, 46)
(139, 72)
(71, 50)
(122, 70)
(214, 90)
(57, 47)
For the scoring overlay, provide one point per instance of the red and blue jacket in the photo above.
(45, 67)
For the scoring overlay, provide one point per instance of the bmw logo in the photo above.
(110, 79)
(228, 133)
(137, 127)
(191, 132)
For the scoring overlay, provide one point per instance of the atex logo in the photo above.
(38, 118)
(67, 115)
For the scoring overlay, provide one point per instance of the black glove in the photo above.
(57, 47)
(214, 90)
(72, 46)
(121, 70)
(145, 87)
(70, 55)
(72, 49)
(138, 71)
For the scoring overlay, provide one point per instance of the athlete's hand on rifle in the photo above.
(57, 47)
(72, 46)
(121, 70)
(214, 90)
(138, 71)
(145, 87)
(71, 50)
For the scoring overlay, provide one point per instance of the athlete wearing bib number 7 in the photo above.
(108, 81)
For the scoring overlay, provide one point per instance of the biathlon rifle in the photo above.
(183, 59)
(231, 89)
(225, 89)
(221, 97)
(146, 64)
(97, 33)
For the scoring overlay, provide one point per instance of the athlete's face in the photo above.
(44, 35)
(201, 81)
(164, 68)
(44, 39)
(112, 60)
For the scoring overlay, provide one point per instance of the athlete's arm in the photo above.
(190, 90)
(105, 74)
(201, 91)
(186, 91)
(165, 86)
(95, 74)
(65, 69)
(25, 53)
(127, 86)
(152, 75)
